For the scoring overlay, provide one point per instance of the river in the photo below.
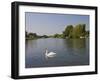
(69, 52)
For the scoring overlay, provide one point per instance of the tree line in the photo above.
(79, 31)
(34, 36)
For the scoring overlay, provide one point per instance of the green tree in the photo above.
(32, 35)
(68, 31)
(44, 36)
(56, 35)
(79, 31)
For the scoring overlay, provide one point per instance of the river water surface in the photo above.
(69, 52)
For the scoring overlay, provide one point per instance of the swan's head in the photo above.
(45, 48)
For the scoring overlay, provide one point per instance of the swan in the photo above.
(49, 54)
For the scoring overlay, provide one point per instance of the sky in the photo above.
(51, 23)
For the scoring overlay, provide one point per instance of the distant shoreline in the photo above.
(79, 31)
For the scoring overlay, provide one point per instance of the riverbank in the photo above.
(58, 38)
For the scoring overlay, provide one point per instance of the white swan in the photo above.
(50, 54)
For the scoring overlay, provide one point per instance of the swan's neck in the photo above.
(46, 52)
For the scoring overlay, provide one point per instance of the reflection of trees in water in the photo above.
(75, 44)
(79, 43)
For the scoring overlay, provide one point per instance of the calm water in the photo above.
(70, 52)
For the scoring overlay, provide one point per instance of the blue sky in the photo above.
(49, 24)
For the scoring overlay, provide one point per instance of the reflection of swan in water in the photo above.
(49, 54)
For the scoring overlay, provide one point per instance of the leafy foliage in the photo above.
(68, 31)
(78, 31)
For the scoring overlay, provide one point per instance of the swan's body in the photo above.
(49, 54)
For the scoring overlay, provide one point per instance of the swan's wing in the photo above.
(51, 53)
